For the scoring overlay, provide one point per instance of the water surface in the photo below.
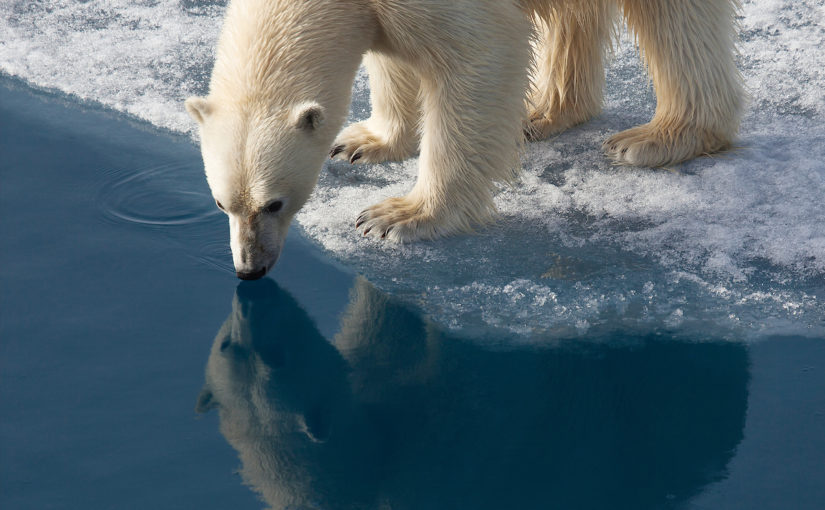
(135, 372)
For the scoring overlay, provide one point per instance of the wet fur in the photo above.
(689, 51)
(460, 82)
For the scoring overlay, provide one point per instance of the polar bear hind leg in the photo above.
(689, 49)
(391, 132)
(568, 68)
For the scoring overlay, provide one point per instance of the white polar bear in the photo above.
(452, 79)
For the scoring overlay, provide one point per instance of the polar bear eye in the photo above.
(274, 207)
(220, 205)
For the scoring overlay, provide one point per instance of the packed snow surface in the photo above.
(731, 245)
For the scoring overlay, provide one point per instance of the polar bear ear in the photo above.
(308, 116)
(199, 108)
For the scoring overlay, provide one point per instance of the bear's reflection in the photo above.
(397, 415)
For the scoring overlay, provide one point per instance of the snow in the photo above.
(731, 245)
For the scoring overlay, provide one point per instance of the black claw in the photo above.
(624, 150)
(355, 157)
(384, 235)
(336, 150)
(367, 230)
(359, 222)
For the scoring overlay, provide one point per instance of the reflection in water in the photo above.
(398, 415)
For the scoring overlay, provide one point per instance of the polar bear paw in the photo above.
(540, 126)
(359, 143)
(402, 220)
(651, 146)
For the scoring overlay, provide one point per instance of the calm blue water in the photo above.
(136, 372)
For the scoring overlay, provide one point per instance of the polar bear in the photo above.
(460, 81)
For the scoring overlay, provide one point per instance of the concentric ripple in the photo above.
(161, 196)
(171, 198)
(215, 253)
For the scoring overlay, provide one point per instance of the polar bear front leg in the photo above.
(441, 203)
(391, 132)
(472, 130)
(689, 46)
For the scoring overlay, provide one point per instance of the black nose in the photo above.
(251, 275)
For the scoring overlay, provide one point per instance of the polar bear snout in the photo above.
(251, 275)
(253, 262)
(256, 243)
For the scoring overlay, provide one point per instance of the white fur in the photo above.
(450, 78)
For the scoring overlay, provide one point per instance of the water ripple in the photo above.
(159, 196)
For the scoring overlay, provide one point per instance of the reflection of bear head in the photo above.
(277, 385)
(269, 355)
(405, 417)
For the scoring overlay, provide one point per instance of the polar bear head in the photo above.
(262, 162)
